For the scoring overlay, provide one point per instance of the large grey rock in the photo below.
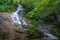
(10, 28)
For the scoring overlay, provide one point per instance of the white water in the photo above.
(50, 36)
(15, 16)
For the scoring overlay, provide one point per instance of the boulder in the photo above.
(10, 30)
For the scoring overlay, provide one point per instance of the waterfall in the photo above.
(18, 18)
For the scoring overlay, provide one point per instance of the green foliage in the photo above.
(7, 6)
(56, 30)
(29, 5)
(45, 10)
(32, 33)
(4, 2)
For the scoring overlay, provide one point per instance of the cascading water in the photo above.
(49, 36)
(46, 35)
(17, 18)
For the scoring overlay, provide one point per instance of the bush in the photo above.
(7, 6)
(31, 32)
(55, 30)
(44, 9)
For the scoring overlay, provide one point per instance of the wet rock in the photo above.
(1, 20)
(7, 26)
(45, 31)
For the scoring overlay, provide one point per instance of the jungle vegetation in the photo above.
(39, 11)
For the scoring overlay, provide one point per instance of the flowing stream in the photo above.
(49, 36)
(17, 18)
